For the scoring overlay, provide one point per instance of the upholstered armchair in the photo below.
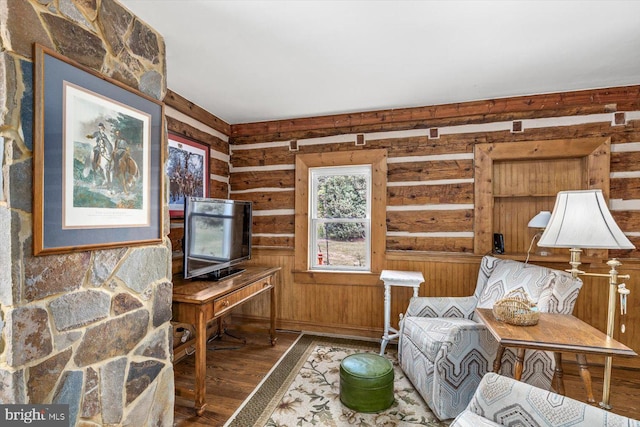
(445, 351)
(502, 401)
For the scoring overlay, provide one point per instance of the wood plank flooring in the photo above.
(234, 372)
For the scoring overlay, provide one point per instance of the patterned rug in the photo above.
(303, 390)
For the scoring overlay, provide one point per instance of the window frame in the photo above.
(377, 159)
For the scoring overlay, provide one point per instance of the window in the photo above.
(340, 218)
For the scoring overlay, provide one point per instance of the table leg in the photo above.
(586, 376)
(200, 362)
(272, 328)
(558, 373)
(497, 363)
(220, 324)
(519, 364)
(387, 317)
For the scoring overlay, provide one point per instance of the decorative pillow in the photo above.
(511, 275)
(562, 295)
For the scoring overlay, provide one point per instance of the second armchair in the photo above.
(445, 351)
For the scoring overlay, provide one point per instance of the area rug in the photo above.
(303, 390)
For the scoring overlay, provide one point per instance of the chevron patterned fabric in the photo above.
(502, 401)
(445, 351)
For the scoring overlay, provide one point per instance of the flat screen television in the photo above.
(217, 236)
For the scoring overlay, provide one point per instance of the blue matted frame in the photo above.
(53, 72)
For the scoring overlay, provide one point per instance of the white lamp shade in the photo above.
(581, 219)
(540, 220)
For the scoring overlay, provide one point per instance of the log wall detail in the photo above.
(430, 179)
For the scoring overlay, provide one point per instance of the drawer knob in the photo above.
(225, 303)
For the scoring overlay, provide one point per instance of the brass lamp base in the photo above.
(611, 310)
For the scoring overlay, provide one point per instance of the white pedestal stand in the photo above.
(396, 278)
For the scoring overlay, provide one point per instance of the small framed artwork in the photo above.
(98, 175)
(187, 170)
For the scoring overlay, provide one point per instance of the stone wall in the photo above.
(89, 329)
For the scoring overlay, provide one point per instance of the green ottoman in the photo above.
(366, 382)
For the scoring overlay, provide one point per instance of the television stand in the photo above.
(198, 302)
(221, 274)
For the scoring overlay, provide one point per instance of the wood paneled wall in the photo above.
(357, 309)
(191, 121)
(430, 201)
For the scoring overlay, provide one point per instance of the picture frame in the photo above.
(187, 169)
(98, 176)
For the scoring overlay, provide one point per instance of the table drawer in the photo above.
(227, 302)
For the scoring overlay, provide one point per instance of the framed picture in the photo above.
(188, 171)
(98, 175)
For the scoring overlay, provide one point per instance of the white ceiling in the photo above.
(248, 61)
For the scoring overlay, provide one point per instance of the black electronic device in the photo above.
(217, 236)
(498, 243)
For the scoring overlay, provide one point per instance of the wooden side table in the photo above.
(396, 278)
(199, 301)
(556, 333)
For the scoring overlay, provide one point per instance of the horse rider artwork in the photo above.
(101, 160)
(111, 163)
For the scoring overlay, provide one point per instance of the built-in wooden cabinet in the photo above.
(516, 180)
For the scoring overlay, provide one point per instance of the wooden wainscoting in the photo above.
(354, 309)
(357, 310)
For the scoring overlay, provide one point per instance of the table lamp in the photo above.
(540, 222)
(581, 220)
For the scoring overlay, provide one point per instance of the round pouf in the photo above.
(366, 382)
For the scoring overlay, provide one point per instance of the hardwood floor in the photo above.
(234, 370)
(625, 387)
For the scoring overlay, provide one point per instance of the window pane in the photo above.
(340, 195)
(339, 253)
(340, 218)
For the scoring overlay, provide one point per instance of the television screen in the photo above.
(217, 235)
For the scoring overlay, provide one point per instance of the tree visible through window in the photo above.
(340, 218)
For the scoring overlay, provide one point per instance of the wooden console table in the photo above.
(199, 301)
(556, 333)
